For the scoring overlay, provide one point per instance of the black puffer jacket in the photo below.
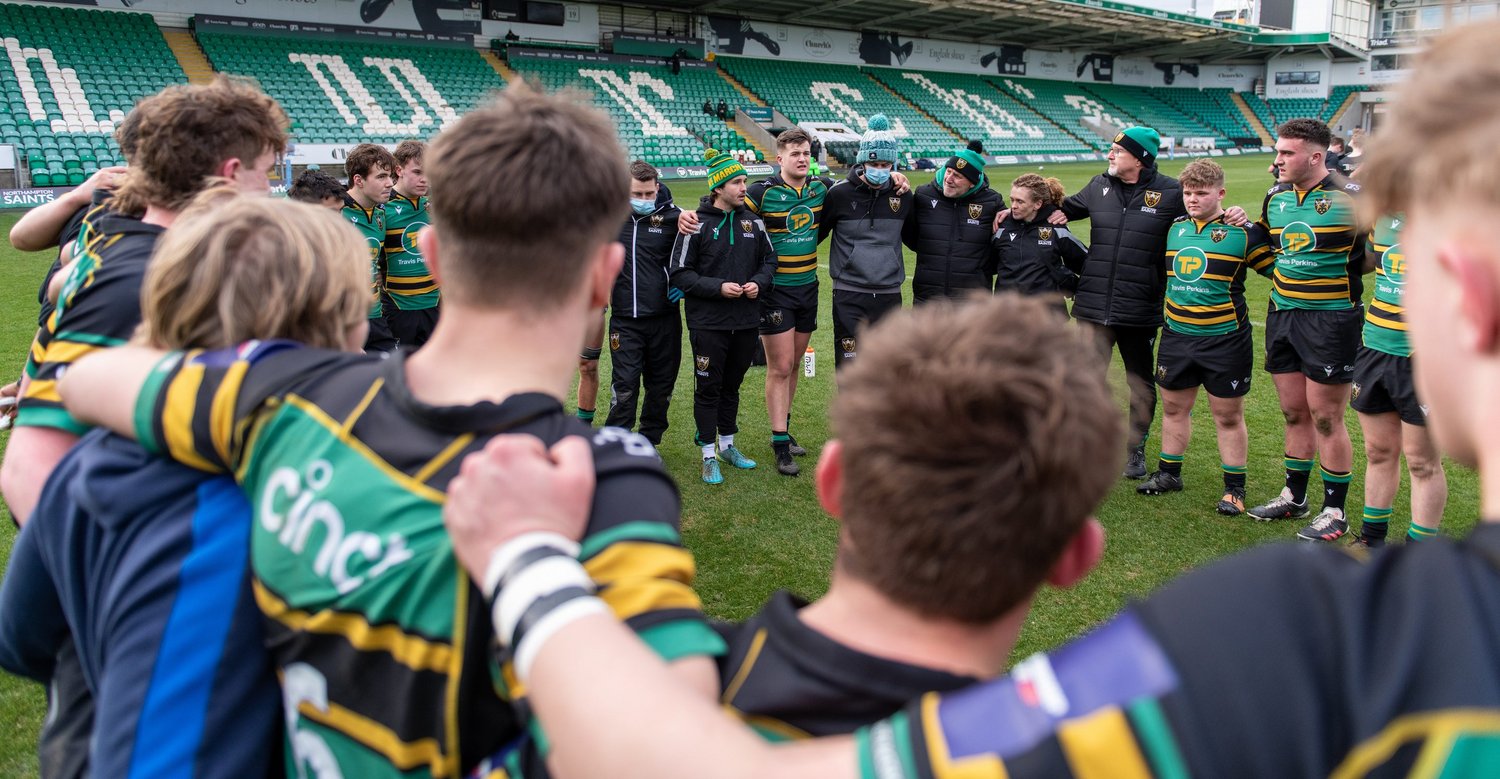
(728, 247)
(1037, 258)
(952, 240)
(1124, 276)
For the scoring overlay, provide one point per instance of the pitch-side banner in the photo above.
(734, 36)
(452, 17)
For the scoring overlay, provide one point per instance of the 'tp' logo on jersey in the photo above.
(1393, 265)
(1190, 264)
(799, 221)
(1297, 237)
(409, 237)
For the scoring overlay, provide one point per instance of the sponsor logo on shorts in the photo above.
(1328, 370)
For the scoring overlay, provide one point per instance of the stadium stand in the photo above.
(660, 113)
(1066, 104)
(808, 92)
(1214, 107)
(337, 92)
(1144, 106)
(1274, 111)
(975, 109)
(73, 74)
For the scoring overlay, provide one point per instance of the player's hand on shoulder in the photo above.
(1058, 218)
(517, 485)
(901, 182)
(999, 218)
(1234, 216)
(687, 222)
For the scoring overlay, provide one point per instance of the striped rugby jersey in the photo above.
(1206, 264)
(791, 216)
(371, 225)
(1385, 322)
(383, 645)
(1319, 247)
(408, 281)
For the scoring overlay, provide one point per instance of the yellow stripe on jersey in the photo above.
(414, 652)
(177, 418)
(803, 268)
(985, 766)
(461, 589)
(404, 755)
(757, 643)
(444, 457)
(785, 731)
(221, 413)
(1441, 726)
(407, 483)
(67, 352)
(1229, 315)
(1101, 746)
(362, 406)
(43, 390)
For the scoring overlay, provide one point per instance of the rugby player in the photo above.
(1207, 341)
(412, 296)
(1241, 668)
(384, 650)
(723, 269)
(371, 170)
(186, 136)
(1313, 327)
(319, 189)
(1392, 416)
(143, 560)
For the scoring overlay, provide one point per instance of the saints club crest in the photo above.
(1153, 198)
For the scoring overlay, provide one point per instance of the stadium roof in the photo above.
(1093, 25)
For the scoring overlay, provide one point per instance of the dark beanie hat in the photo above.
(1141, 142)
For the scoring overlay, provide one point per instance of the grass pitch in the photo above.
(760, 531)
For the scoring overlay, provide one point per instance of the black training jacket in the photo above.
(1124, 277)
(641, 289)
(1037, 258)
(952, 240)
(727, 247)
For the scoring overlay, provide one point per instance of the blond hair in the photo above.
(235, 268)
(1201, 173)
(1437, 143)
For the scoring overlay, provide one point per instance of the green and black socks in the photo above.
(1234, 477)
(1335, 488)
(1171, 463)
(1298, 471)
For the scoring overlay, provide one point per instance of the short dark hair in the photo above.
(964, 476)
(640, 170)
(315, 186)
(792, 137)
(1310, 130)
(366, 157)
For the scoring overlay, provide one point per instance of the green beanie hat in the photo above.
(721, 168)
(969, 165)
(1141, 142)
(879, 143)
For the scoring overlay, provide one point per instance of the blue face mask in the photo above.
(642, 207)
(877, 176)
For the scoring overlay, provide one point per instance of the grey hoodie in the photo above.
(865, 255)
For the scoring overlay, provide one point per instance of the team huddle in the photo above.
(299, 496)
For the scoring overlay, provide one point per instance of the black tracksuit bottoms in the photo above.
(643, 350)
(1137, 346)
(720, 360)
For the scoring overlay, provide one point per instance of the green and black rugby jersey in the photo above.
(382, 643)
(371, 224)
(408, 281)
(789, 681)
(1319, 245)
(100, 306)
(791, 216)
(1206, 264)
(1385, 321)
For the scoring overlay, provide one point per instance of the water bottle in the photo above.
(809, 362)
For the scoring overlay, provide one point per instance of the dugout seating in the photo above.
(354, 97)
(659, 113)
(80, 72)
(809, 92)
(974, 108)
(1147, 107)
